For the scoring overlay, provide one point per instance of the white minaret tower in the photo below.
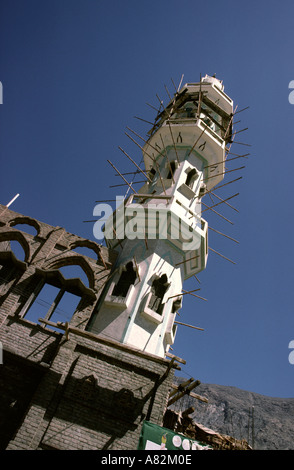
(158, 231)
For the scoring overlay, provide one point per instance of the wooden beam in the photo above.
(221, 202)
(178, 359)
(152, 196)
(186, 391)
(130, 186)
(180, 387)
(125, 153)
(186, 260)
(223, 234)
(219, 254)
(190, 326)
(177, 295)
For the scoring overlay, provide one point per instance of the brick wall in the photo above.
(79, 391)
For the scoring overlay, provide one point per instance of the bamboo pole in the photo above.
(194, 295)
(190, 326)
(241, 110)
(186, 260)
(227, 160)
(144, 120)
(223, 234)
(236, 154)
(224, 173)
(217, 213)
(186, 391)
(225, 184)
(130, 186)
(218, 203)
(152, 196)
(192, 148)
(153, 159)
(230, 122)
(180, 387)
(129, 173)
(199, 100)
(188, 292)
(153, 107)
(219, 254)
(146, 142)
(174, 144)
(242, 143)
(224, 200)
(238, 132)
(124, 184)
(125, 153)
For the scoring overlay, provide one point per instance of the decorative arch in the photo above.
(158, 290)
(126, 280)
(191, 177)
(8, 236)
(75, 260)
(87, 244)
(25, 221)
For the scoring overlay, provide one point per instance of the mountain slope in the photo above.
(265, 422)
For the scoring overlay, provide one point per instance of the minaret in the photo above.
(158, 231)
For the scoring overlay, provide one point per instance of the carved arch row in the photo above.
(12, 235)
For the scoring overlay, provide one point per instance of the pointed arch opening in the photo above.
(191, 178)
(126, 280)
(71, 264)
(158, 290)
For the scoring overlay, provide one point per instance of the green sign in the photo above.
(154, 437)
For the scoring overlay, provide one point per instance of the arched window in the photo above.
(158, 289)
(127, 278)
(51, 303)
(75, 271)
(152, 173)
(17, 249)
(191, 177)
(71, 268)
(177, 304)
(172, 169)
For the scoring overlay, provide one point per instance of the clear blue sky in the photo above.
(74, 75)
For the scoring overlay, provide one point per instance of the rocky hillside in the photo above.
(266, 423)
